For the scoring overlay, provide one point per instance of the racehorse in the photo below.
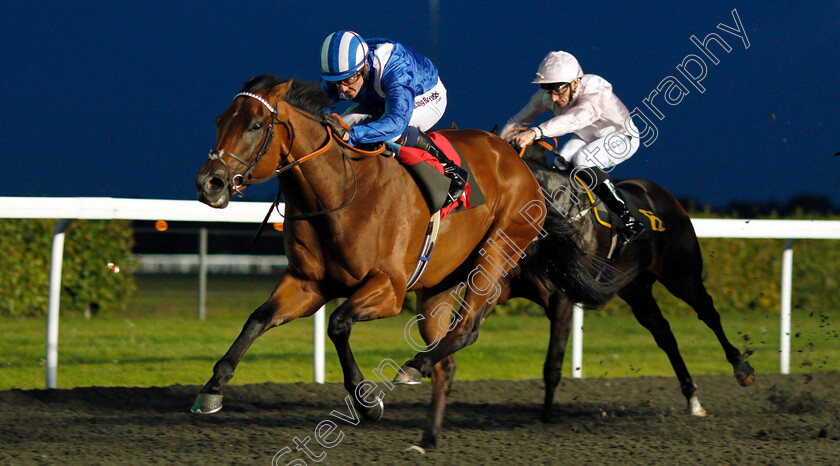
(670, 254)
(355, 226)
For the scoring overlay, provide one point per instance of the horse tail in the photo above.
(562, 262)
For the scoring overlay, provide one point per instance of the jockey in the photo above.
(585, 105)
(397, 96)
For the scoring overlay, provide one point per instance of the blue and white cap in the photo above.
(342, 55)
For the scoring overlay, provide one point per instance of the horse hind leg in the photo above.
(640, 298)
(432, 329)
(559, 312)
(690, 289)
(442, 375)
(291, 299)
(472, 313)
(499, 253)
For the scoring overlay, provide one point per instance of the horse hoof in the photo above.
(416, 448)
(428, 443)
(547, 414)
(745, 374)
(408, 376)
(207, 403)
(375, 413)
(694, 407)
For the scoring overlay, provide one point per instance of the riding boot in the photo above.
(632, 228)
(455, 173)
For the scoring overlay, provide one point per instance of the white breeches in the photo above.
(605, 152)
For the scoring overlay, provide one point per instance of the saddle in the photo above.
(433, 183)
(591, 203)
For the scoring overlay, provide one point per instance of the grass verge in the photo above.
(161, 342)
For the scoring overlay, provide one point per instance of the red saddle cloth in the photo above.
(412, 155)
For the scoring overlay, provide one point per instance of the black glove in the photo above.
(334, 122)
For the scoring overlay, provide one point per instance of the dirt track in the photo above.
(779, 420)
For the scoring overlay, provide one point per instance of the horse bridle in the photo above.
(244, 179)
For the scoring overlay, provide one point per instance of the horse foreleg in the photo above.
(292, 298)
(375, 299)
(559, 313)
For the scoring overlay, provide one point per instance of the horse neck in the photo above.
(318, 183)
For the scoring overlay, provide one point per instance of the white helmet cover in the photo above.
(558, 67)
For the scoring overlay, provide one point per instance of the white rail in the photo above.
(778, 229)
(790, 230)
(215, 263)
(65, 208)
(253, 212)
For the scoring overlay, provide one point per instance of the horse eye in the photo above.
(256, 127)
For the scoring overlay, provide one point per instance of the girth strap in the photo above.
(426, 252)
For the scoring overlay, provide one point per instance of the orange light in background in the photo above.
(161, 225)
(278, 226)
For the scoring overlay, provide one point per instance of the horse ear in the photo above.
(278, 91)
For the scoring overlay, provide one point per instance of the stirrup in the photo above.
(459, 181)
(457, 185)
(453, 195)
(628, 232)
(631, 230)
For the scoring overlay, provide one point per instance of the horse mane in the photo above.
(303, 95)
(559, 257)
(537, 155)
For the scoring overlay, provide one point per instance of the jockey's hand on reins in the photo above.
(517, 141)
(334, 122)
(524, 138)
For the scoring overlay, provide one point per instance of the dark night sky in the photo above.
(118, 98)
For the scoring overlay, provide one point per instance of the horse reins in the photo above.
(547, 146)
(244, 179)
(330, 138)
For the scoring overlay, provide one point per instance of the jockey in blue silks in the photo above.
(397, 96)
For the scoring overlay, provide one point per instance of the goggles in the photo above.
(555, 88)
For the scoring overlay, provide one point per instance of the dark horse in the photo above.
(670, 255)
(356, 225)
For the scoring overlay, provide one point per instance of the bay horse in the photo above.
(670, 254)
(356, 224)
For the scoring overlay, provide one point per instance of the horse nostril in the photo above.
(215, 184)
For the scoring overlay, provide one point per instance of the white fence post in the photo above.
(202, 273)
(785, 298)
(318, 344)
(54, 299)
(577, 342)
